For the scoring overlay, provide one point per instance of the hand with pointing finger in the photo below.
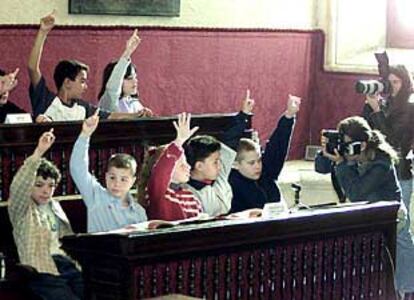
(46, 140)
(90, 124)
(247, 104)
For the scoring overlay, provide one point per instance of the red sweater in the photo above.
(167, 201)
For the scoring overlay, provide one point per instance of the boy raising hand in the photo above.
(110, 207)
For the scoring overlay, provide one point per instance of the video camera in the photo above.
(336, 141)
(373, 86)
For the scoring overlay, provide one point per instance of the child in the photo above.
(70, 78)
(112, 207)
(253, 178)
(6, 107)
(38, 223)
(168, 199)
(119, 90)
(211, 163)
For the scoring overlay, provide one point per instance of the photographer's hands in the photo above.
(336, 158)
(373, 100)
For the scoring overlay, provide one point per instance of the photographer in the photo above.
(364, 164)
(393, 116)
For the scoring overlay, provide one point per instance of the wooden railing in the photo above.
(336, 253)
(19, 141)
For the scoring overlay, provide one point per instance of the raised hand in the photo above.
(46, 140)
(247, 103)
(373, 101)
(132, 44)
(90, 124)
(182, 127)
(293, 105)
(48, 22)
(8, 81)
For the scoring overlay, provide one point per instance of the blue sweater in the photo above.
(248, 193)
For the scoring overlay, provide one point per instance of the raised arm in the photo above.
(278, 145)
(46, 25)
(22, 184)
(113, 88)
(79, 160)
(240, 123)
(162, 173)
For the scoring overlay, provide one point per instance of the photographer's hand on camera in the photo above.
(336, 157)
(373, 100)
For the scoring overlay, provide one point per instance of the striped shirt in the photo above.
(169, 201)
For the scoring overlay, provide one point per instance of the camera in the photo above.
(336, 141)
(372, 86)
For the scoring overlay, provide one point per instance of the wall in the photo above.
(194, 13)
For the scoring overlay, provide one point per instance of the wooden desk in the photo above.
(336, 253)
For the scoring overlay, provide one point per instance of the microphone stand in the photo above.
(298, 204)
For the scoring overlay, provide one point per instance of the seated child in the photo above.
(167, 196)
(70, 78)
(6, 107)
(112, 207)
(119, 91)
(38, 223)
(253, 178)
(211, 163)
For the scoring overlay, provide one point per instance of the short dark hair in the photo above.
(200, 147)
(123, 161)
(2, 72)
(68, 69)
(47, 169)
(108, 72)
(246, 145)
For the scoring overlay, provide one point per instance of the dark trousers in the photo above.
(67, 286)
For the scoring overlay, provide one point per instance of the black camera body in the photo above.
(372, 86)
(336, 142)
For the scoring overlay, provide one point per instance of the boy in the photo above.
(253, 179)
(211, 163)
(112, 207)
(70, 78)
(168, 197)
(38, 223)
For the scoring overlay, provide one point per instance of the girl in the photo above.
(119, 91)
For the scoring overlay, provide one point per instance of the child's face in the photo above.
(119, 181)
(130, 84)
(250, 165)
(210, 167)
(78, 86)
(43, 190)
(181, 171)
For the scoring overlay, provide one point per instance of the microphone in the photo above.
(296, 187)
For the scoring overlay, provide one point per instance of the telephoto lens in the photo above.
(371, 87)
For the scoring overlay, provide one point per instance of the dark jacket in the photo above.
(396, 124)
(369, 181)
(249, 193)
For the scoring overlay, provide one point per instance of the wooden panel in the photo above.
(337, 253)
